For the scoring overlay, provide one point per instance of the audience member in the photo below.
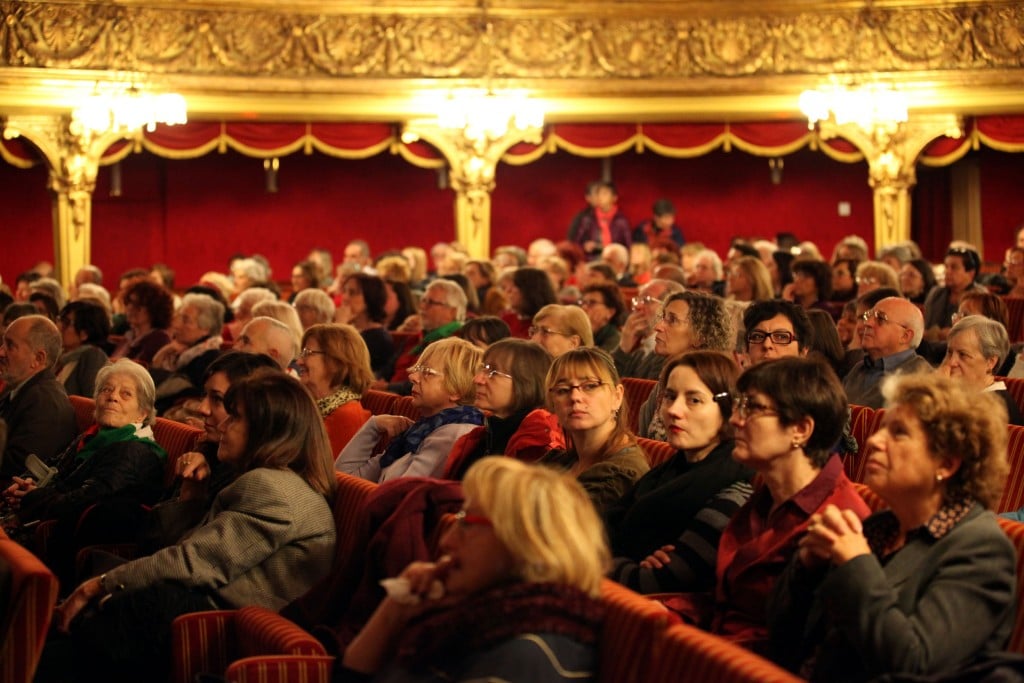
(603, 223)
(606, 310)
(148, 310)
(561, 328)
(975, 348)
(363, 307)
(635, 356)
(917, 279)
(84, 329)
(662, 224)
(270, 337)
(178, 368)
(962, 267)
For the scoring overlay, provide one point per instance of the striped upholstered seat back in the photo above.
(28, 592)
(1015, 532)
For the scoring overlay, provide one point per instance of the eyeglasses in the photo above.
(639, 301)
(587, 303)
(745, 407)
(780, 337)
(670, 319)
(867, 281)
(545, 331)
(425, 370)
(564, 391)
(958, 316)
(427, 303)
(881, 317)
(464, 520)
(307, 352)
(490, 372)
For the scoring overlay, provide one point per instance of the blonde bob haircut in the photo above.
(571, 319)
(345, 355)
(544, 519)
(457, 359)
(960, 424)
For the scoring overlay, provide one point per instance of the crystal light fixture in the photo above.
(125, 110)
(867, 106)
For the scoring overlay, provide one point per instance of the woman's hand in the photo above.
(392, 425)
(343, 314)
(194, 471)
(411, 324)
(16, 491)
(66, 612)
(633, 331)
(835, 535)
(658, 559)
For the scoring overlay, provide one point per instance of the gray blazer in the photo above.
(933, 606)
(267, 539)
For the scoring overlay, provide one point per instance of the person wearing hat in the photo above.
(662, 224)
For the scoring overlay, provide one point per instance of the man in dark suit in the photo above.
(38, 414)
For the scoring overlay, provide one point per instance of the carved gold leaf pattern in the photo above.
(233, 41)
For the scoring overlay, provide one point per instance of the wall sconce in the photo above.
(270, 167)
(775, 170)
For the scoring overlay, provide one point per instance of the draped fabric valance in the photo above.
(680, 140)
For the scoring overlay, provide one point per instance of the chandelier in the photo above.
(125, 110)
(483, 115)
(868, 106)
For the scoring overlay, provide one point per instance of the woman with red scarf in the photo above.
(514, 597)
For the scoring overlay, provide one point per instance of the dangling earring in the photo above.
(615, 414)
(939, 478)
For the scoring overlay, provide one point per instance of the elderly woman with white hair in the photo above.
(314, 307)
(117, 456)
(242, 307)
(976, 346)
(178, 367)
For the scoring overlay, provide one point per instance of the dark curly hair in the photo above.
(157, 301)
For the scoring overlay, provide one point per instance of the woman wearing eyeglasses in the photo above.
(974, 349)
(561, 328)
(606, 310)
(334, 365)
(443, 392)
(527, 290)
(925, 587)
(689, 320)
(510, 388)
(514, 597)
(664, 532)
(585, 392)
(789, 414)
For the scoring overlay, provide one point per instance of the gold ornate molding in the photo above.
(516, 40)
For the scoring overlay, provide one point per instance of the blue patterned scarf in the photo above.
(411, 440)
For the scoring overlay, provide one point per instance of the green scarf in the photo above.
(439, 333)
(95, 439)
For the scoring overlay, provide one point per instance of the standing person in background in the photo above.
(590, 195)
(603, 223)
(662, 224)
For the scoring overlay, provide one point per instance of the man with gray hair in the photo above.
(892, 332)
(442, 311)
(635, 356)
(270, 337)
(38, 414)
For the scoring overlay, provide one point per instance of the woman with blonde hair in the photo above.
(334, 365)
(515, 595)
(561, 328)
(443, 392)
(314, 307)
(872, 275)
(586, 394)
(927, 586)
(748, 279)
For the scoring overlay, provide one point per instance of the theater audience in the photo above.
(689, 320)
(365, 297)
(527, 291)
(442, 312)
(34, 405)
(510, 389)
(179, 367)
(520, 576)
(561, 328)
(606, 310)
(148, 309)
(635, 356)
(893, 329)
(587, 396)
(442, 392)
(334, 365)
(975, 347)
(925, 587)
(84, 329)
(664, 532)
(962, 268)
(267, 539)
(788, 415)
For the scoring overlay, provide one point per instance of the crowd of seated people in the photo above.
(752, 364)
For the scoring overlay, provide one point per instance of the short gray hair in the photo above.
(144, 386)
(318, 299)
(211, 311)
(47, 285)
(993, 341)
(44, 336)
(453, 296)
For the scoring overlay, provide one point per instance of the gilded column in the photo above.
(473, 160)
(72, 156)
(891, 150)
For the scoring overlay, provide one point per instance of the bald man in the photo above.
(271, 337)
(892, 332)
(38, 414)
